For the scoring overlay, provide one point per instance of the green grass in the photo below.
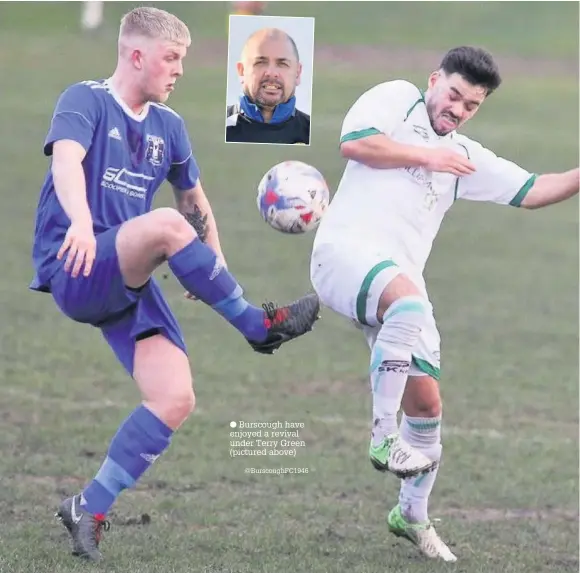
(545, 29)
(503, 282)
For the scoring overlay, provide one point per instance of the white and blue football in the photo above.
(292, 197)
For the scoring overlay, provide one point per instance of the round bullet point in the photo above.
(233, 424)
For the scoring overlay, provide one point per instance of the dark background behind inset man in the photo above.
(269, 71)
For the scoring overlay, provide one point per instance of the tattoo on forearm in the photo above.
(198, 221)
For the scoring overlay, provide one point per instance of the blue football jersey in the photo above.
(128, 157)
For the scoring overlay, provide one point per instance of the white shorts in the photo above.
(350, 277)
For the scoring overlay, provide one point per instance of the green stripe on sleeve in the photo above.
(354, 135)
(410, 110)
(517, 200)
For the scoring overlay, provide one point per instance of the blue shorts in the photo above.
(124, 315)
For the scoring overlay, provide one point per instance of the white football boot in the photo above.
(422, 535)
(395, 455)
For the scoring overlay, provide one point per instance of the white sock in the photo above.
(424, 434)
(390, 361)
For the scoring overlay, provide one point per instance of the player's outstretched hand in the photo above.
(81, 244)
(446, 161)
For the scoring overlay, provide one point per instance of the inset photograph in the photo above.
(269, 86)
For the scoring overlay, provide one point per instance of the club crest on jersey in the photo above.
(155, 149)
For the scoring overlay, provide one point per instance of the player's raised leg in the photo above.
(421, 429)
(367, 284)
(162, 373)
(164, 234)
(402, 312)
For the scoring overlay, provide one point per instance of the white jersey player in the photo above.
(406, 167)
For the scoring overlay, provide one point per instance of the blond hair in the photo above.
(155, 24)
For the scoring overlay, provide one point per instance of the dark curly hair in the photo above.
(476, 65)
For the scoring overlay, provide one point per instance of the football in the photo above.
(292, 197)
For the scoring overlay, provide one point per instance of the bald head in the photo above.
(269, 68)
(266, 34)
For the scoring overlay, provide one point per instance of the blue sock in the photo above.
(196, 269)
(139, 441)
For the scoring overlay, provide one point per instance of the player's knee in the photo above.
(175, 407)
(404, 319)
(174, 231)
(422, 398)
(183, 404)
(396, 292)
(414, 307)
(431, 409)
(427, 405)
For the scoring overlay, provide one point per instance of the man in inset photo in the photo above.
(269, 70)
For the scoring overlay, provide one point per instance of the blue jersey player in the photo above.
(97, 242)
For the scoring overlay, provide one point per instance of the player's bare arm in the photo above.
(194, 206)
(552, 188)
(69, 179)
(381, 152)
(70, 188)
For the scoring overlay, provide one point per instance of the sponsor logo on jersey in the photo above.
(126, 182)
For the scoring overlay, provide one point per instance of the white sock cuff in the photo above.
(408, 304)
(424, 431)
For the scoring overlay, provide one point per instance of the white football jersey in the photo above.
(402, 209)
